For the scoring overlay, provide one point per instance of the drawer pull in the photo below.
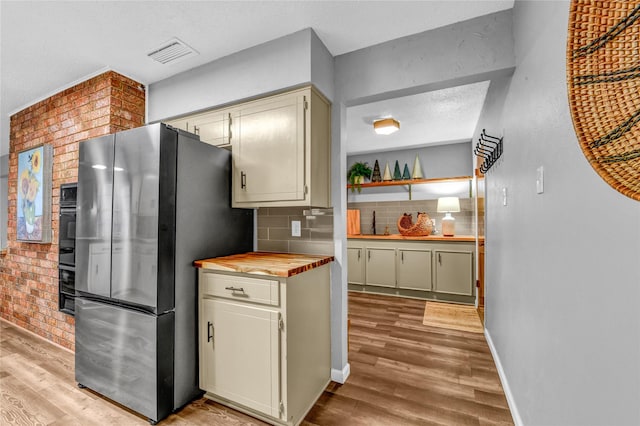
(235, 289)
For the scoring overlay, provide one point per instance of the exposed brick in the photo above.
(29, 294)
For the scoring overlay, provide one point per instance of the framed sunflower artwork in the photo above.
(34, 195)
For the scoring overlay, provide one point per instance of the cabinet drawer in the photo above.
(240, 288)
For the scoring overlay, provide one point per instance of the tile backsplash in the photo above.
(388, 212)
(316, 229)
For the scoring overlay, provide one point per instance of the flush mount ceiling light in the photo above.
(172, 51)
(386, 126)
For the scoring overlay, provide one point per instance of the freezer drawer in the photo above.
(126, 356)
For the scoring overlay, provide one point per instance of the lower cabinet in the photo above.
(355, 267)
(381, 267)
(414, 269)
(454, 272)
(265, 342)
(442, 270)
(241, 354)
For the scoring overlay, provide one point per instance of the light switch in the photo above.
(295, 228)
(504, 196)
(540, 180)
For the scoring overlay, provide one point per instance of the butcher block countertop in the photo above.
(403, 238)
(265, 263)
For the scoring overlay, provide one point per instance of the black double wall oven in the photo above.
(67, 248)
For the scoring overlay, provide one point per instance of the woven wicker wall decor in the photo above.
(603, 81)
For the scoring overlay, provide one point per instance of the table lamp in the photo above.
(448, 205)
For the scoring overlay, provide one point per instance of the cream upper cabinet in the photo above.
(268, 155)
(213, 127)
(281, 153)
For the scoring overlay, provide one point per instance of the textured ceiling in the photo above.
(46, 46)
(431, 118)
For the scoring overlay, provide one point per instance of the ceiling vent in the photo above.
(173, 50)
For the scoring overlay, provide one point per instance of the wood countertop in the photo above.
(265, 263)
(464, 238)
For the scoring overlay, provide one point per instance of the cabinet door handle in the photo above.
(196, 130)
(440, 258)
(369, 255)
(230, 132)
(241, 289)
(402, 256)
(359, 255)
(209, 331)
(243, 180)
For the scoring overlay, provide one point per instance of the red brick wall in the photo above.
(102, 105)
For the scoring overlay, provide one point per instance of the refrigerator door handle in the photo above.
(209, 331)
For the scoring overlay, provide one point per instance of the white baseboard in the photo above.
(341, 376)
(517, 420)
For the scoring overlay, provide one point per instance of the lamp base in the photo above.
(448, 225)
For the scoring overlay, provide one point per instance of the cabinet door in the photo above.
(381, 267)
(240, 354)
(454, 272)
(414, 269)
(355, 267)
(181, 123)
(268, 152)
(214, 128)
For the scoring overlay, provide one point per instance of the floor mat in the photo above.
(452, 316)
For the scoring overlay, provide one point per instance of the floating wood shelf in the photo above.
(412, 181)
(409, 182)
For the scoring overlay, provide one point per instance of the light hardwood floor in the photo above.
(402, 373)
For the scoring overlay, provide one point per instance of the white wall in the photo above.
(563, 270)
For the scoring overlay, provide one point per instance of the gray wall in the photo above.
(290, 61)
(4, 199)
(471, 51)
(562, 274)
(437, 161)
(270, 67)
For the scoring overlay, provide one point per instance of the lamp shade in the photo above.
(386, 126)
(448, 204)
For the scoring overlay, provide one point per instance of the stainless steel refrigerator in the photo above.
(150, 201)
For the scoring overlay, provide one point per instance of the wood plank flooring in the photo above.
(402, 373)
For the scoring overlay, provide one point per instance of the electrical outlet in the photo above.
(295, 228)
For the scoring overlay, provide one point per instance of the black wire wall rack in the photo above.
(490, 148)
